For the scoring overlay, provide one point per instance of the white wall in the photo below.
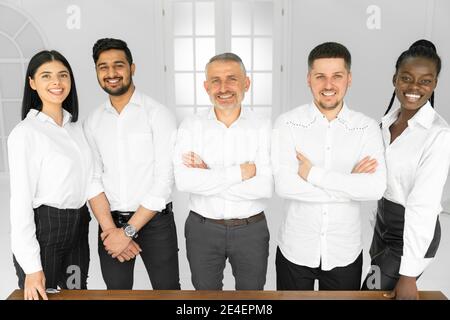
(306, 24)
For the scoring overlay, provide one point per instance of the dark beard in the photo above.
(118, 92)
(329, 107)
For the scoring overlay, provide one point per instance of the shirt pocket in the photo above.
(140, 148)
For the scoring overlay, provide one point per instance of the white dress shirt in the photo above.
(49, 165)
(133, 153)
(219, 192)
(322, 224)
(417, 167)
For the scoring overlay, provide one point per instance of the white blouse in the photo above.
(49, 165)
(417, 167)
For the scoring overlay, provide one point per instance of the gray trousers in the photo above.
(209, 244)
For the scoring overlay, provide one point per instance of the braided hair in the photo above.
(419, 49)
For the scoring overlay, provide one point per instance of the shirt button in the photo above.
(324, 213)
(322, 234)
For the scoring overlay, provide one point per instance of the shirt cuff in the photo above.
(154, 203)
(316, 175)
(95, 189)
(233, 174)
(413, 267)
(31, 266)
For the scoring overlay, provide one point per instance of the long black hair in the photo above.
(31, 99)
(419, 49)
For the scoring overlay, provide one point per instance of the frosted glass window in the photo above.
(243, 48)
(262, 54)
(262, 88)
(204, 18)
(241, 18)
(10, 20)
(11, 115)
(183, 112)
(8, 48)
(182, 19)
(263, 18)
(183, 54)
(202, 95)
(30, 41)
(11, 80)
(184, 88)
(203, 110)
(205, 49)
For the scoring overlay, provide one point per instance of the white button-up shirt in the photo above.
(417, 167)
(322, 225)
(219, 192)
(49, 165)
(133, 153)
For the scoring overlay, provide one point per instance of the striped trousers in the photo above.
(63, 239)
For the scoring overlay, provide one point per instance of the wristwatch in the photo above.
(130, 231)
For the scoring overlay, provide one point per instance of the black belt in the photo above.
(233, 222)
(122, 217)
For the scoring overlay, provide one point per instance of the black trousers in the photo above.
(291, 276)
(158, 241)
(386, 249)
(63, 239)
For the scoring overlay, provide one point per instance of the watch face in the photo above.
(129, 231)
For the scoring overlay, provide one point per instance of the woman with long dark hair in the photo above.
(50, 171)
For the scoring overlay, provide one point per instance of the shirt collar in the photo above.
(135, 100)
(344, 114)
(242, 115)
(45, 118)
(423, 117)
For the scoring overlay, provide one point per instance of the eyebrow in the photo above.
(323, 73)
(49, 72)
(423, 75)
(114, 62)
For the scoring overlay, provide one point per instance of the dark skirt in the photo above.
(387, 243)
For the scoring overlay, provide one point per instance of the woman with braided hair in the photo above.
(417, 144)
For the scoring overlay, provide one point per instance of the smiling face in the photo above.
(329, 80)
(415, 82)
(226, 84)
(114, 73)
(52, 83)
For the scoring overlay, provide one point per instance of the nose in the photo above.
(111, 72)
(223, 86)
(57, 80)
(415, 85)
(328, 83)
